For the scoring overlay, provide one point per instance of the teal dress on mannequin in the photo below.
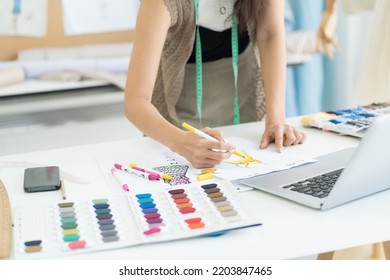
(308, 77)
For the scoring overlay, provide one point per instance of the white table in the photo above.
(289, 230)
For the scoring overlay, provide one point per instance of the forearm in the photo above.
(272, 47)
(273, 64)
(153, 23)
(200, 152)
(274, 75)
(146, 118)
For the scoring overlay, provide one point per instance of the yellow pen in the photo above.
(206, 136)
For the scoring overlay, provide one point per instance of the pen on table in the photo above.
(62, 187)
(160, 174)
(120, 181)
(206, 136)
(139, 173)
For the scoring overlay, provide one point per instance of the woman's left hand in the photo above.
(283, 135)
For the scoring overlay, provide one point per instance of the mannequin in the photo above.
(326, 34)
(374, 79)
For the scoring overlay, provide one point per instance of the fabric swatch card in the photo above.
(129, 219)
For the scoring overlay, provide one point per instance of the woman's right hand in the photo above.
(204, 153)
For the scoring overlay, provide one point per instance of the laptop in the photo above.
(336, 178)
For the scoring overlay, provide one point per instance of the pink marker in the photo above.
(138, 172)
(146, 171)
(155, 173)
(120, 181)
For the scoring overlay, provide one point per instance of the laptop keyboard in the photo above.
(318, 186)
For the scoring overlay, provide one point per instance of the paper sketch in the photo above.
(252, 162)
(244, 159)
(257, 161)
(96, 16)
(160, 160)
(23, 18)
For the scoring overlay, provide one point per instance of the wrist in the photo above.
(176, 140)
(273, 119)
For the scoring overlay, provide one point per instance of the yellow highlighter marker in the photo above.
(205, 176)
(209, 170)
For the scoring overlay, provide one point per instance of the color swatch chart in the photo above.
(129, 219)
(354, 121)
(72, 227)
(189, 210)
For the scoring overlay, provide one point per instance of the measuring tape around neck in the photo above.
(199, 72)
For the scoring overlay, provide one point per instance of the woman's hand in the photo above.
(204, 153)
(283, 135)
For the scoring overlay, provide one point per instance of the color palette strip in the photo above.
(182, 202)
(105, 220)
(150, 213)
(33, 246)
(185, 206)
(69, 226)
(195, 223)
(218, 198)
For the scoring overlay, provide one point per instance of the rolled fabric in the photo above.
(11, 75)
(303, 42)
(83, 52)
(37, 69)
(300, 46)
(117, 79)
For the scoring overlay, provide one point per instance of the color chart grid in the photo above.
(129, 219)
(72, 227)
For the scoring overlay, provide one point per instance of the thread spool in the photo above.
(12, 75)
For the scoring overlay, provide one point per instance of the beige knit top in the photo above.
(177, 49)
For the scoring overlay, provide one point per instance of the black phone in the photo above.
(39, 179)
